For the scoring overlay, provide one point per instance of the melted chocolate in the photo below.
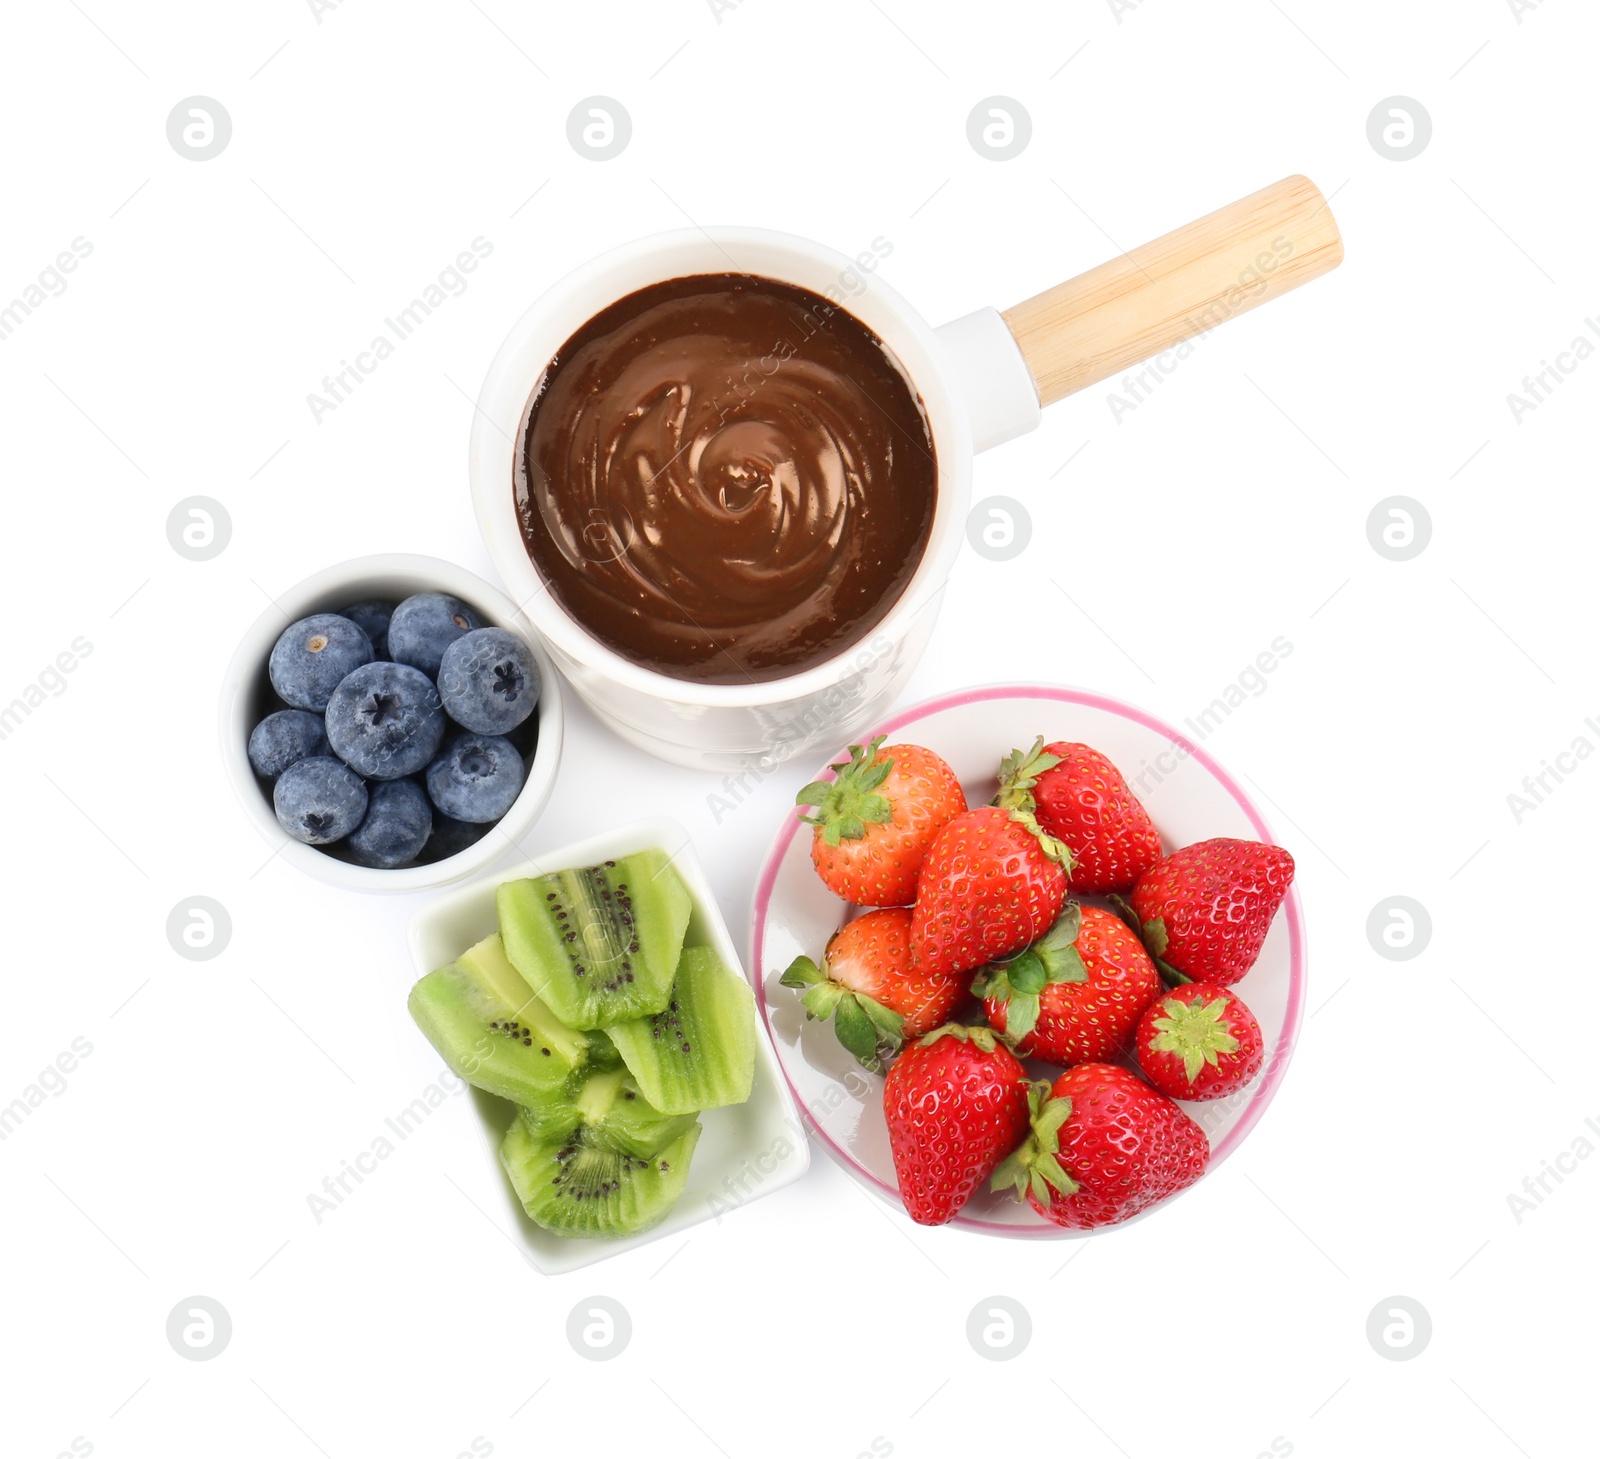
(725, 478)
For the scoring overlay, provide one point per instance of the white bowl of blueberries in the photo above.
(392, 724)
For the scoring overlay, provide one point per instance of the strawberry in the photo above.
(868, 987)
(1205, 910)
(1103, 1146)
(874, 821)
(1075, 996)
(992, 883)
(956, 1103)
(1199, 1042)
(1081, 799)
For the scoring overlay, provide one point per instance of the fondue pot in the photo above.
(982, 380)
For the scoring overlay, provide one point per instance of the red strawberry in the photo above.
(1104, 1145)
(1199, 1042)
(868, 987)
(1080, 798)
(992, 883)
(875, 820)
(1205, 910)
(956, 1103)
(1076, 994)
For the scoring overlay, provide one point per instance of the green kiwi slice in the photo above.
(574, 1186)
(492, 1030)
(699, 1052)
(604, 1100)
(599, 944)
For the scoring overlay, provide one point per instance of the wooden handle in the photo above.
(1190, 281)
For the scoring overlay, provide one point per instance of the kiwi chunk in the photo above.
(699, 1052)
(628, 1123)
(599, 944)
(492, 1029)
(604, 1100)
(574, 1186)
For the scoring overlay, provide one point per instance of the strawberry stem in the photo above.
(1197, 1032)
(979, 1035)
(847, 805)
(1018, 982)
(1032, 1169)
(1153, 936)
(1019, 774)
(865, 1027)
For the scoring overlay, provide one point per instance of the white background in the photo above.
(1228, 510)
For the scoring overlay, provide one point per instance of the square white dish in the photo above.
(746, 1152)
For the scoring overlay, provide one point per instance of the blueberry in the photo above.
(396, 827)
(450, 836)
(312, 656)
(476, 778)
(283, 738)
(385, 721)
(319, 800)
(371, 616)
(425, 625)
(489, 681)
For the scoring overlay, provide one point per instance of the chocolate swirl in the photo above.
(725, 478)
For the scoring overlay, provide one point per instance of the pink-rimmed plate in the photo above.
(1189, 796)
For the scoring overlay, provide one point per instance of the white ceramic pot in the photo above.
(981, 378)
